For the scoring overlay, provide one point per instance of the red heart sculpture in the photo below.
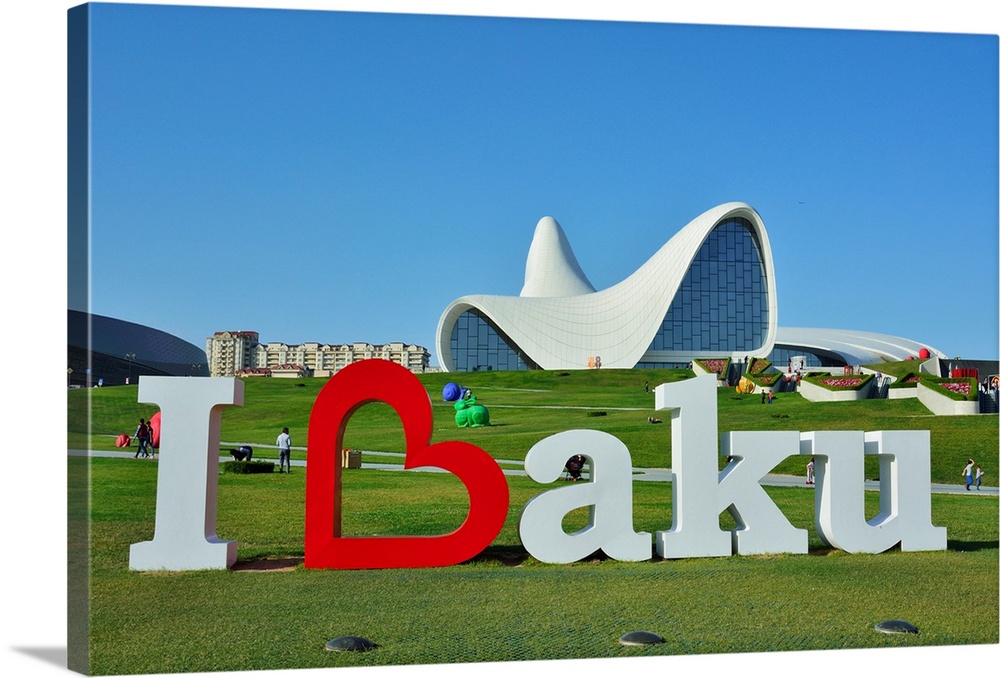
(377, 380)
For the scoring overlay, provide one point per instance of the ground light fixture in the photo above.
(640, 638)
(895, 626)
(350, 644)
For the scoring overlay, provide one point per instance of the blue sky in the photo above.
(340, 176)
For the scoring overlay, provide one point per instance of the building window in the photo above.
(782, 356)
(721, 304)
(477, 344)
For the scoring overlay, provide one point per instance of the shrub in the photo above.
(248, 467)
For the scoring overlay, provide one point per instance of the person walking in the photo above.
(979, 478)
(151, 439)
(811, 472)
(967, 472)
(284, 443)
(142, 436)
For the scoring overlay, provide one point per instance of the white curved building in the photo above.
(708, 292)
(844, 347)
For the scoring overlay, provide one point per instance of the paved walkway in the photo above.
(640, 474)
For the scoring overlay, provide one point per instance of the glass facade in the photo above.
(477, 344)
(722, 302)
(115, 350)
(645, 364)
(782, 355)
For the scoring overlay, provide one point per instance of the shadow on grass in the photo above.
(266, 564)
(509, 555)
(971, 545)
(515, 555)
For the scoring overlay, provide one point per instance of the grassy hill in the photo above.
(528, 406)
(269, 612)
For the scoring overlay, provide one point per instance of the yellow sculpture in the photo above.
(745, 386)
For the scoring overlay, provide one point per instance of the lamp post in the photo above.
(129, 357)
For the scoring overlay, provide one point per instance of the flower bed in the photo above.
(959, 388)
(758, 366)
(769, 379)
(842, 382)
(718, 366)
(908, 380)
(838, 383)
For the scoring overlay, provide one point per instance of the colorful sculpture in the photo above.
(745, 386)
(154, 422)
(387, 382)
(469, 413)
(451, 392)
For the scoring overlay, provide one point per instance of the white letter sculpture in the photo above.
(187, 477)
(904, 485)
(187, 484)
(761, 526)
(609, 496)
(701, 492)
(694, 440)
(904, 491)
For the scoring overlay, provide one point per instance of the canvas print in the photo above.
(421, 340)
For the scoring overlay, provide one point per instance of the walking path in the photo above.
(640, 474)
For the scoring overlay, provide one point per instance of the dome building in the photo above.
(115, 352)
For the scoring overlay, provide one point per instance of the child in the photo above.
(967, 472)
(811, 472)
(979, 478)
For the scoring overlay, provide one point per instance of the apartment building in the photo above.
(315, 359)
(229, 352)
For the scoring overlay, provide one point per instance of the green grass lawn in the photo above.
(269, 612)
(528, 406)
(504, 605)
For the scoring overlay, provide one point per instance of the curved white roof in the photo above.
(854, 346)
(560, 322)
